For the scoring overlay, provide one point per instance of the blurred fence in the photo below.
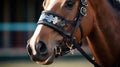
(17, 22)
(15, 35)
(13, 39)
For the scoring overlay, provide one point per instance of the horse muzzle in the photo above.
(42, 55)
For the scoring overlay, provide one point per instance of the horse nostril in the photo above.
(41, 48)
(29, 49)
(41, 52)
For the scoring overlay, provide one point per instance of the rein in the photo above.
(58, 23)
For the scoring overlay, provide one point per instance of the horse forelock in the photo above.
(44, 3)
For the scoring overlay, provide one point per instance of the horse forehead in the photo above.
(54, 2)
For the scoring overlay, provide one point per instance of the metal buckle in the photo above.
(71, 48)
(84, 2)
(58, 50)
(83, 11)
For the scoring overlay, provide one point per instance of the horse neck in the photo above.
(104, 38)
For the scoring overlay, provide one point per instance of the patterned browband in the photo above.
(55, 21)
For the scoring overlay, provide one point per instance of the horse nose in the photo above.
(29, 49)
(41, 48)
(41, 51)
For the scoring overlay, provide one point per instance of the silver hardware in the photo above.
(71, 48)
(49, 18)
(58, 52)
(55, 20)
(83, 11)
(84, 2)
(62, 24)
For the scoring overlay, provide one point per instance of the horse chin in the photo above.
(48, 61)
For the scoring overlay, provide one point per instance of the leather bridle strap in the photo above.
(79, 44)
(78, 47)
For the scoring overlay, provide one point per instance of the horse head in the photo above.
(60, 24)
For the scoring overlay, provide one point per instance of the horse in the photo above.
(64, 23)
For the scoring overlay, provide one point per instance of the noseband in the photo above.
(58, 23)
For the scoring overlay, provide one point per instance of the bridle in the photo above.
(58, 23)
(51, 19)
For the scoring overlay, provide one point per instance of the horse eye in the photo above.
(69, 4)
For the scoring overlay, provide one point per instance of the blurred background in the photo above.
(17, 23)
(18, 20)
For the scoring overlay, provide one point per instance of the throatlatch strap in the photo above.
(78, 47)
